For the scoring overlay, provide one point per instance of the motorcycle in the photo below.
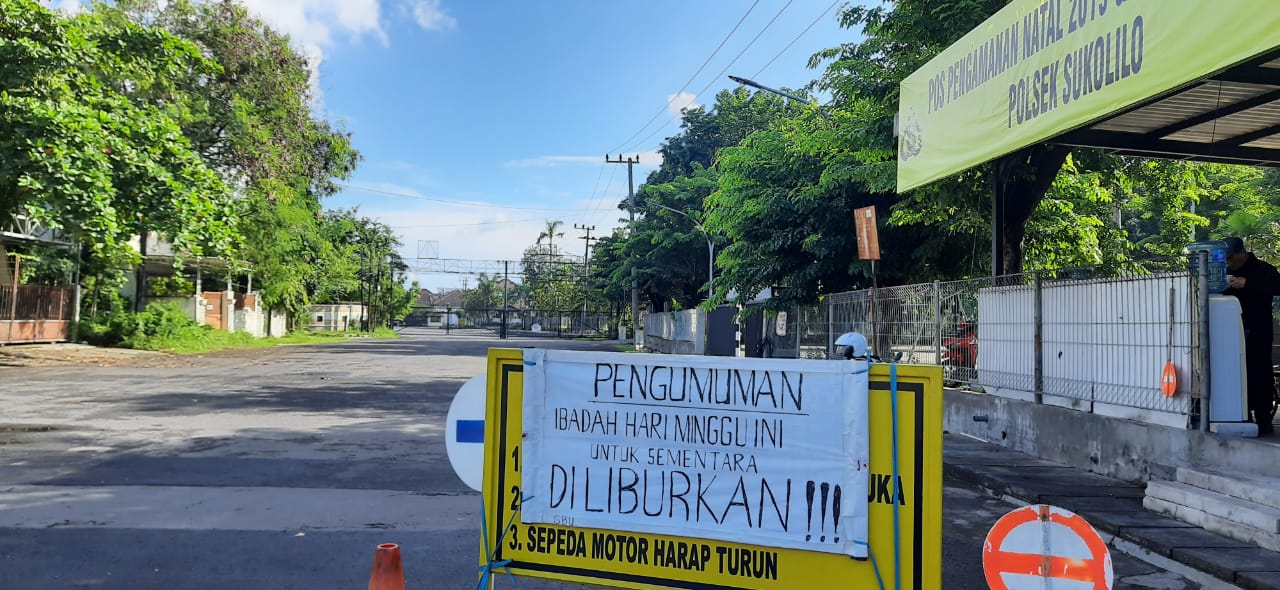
(1275, 395)
(959, 354)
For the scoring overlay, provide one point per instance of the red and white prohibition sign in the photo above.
(1033, 546)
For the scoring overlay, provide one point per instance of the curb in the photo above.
(1113, 507)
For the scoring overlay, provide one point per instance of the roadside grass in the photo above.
(200, 340)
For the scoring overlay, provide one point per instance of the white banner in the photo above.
(760, 451)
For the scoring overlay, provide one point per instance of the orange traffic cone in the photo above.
(387, 571)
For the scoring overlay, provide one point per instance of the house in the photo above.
(448, 298)
(234, 309)
(337, 317)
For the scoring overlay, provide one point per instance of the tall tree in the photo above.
(89, 138)
(484, 296)
(898, 39)
(667, 249)
(550, 233)
(252, 120)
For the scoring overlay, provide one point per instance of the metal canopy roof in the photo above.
(1232, 117)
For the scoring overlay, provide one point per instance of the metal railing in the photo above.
(36, 302)
(1093, 339)
(571, 323)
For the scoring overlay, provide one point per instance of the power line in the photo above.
(596, 189)
(714, 79)
(604, 197)
(600, 213)
(793, 41)
(691, 78)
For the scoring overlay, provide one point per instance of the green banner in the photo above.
(1038, 68)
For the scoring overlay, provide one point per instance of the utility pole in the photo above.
(631, 210)
(505, 269)
(586, 254)
(140, 276)
(586, 266)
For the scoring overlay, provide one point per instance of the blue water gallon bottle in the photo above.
(1217, 262)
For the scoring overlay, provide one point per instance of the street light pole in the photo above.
(711, 244)
(759, 86)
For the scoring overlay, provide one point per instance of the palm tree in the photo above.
(550, 234)
(1258, 232)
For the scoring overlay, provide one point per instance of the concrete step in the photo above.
(1259, 490)
(1258, 516)
(1215, 524)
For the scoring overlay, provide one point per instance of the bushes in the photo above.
(161, 327)
(165, 327)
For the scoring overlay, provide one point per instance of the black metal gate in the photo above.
(512, 322)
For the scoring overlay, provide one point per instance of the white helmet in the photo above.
(851, 345)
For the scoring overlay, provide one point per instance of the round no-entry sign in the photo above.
(1037, 544)
(464, 433)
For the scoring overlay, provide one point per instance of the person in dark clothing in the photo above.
(1254, 283)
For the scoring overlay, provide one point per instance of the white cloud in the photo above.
(651, 158)
(318, 22)
(315, 25)
(431, 16)
(70, 7)
(678, 102)
(479, 234)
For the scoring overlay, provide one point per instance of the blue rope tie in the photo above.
(491, 564)
(875, 567)
(897, 537)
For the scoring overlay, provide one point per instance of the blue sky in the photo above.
(511, 106)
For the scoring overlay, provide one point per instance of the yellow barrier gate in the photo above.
(640, 560)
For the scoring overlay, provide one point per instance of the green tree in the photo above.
(484, 296)
(667, 249)
(382, 273)
(550, 234)
(89, 138)
(251, 119)
(863, 78)
(552, 280)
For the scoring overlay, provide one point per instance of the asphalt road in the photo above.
(283, 468)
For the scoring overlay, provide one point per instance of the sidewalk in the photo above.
(1113, 507)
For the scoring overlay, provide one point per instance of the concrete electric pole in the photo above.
(631, 210)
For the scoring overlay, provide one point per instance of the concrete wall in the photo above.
(676, 332)
(277, 324)
(199, 302)
(336, 317)
(1125, 449)
(251, 321)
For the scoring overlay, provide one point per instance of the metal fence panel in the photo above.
(519, 322)
(1084, 338)
(1123, 330)
(36, 302)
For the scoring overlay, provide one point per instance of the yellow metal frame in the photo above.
(920, 517)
